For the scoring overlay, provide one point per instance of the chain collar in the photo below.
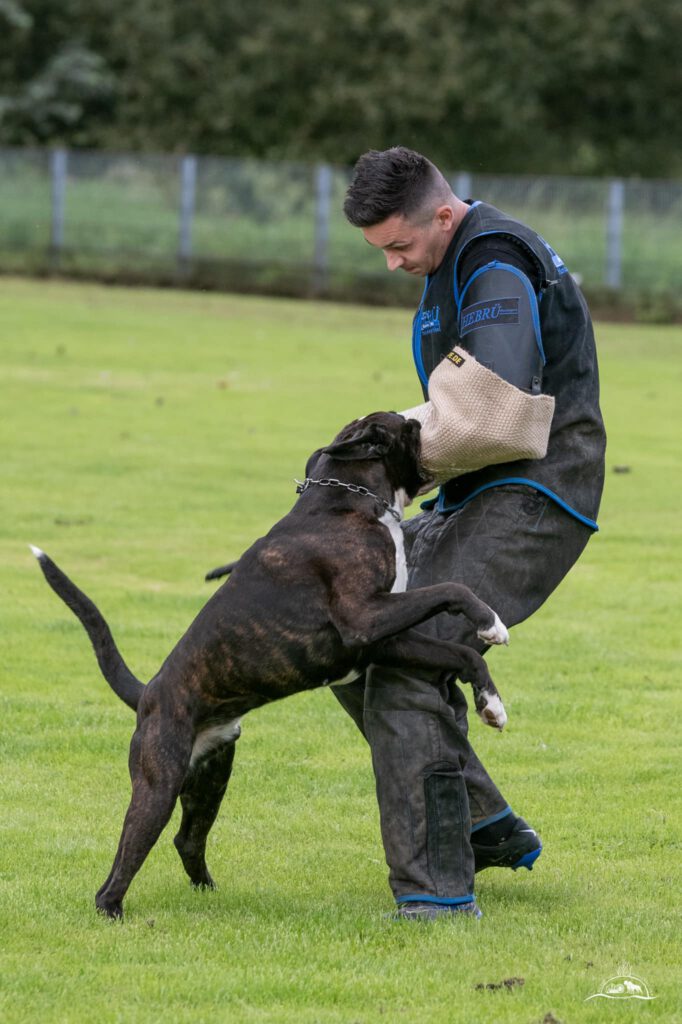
(303, 485)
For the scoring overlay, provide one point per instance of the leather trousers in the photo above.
(511, 545)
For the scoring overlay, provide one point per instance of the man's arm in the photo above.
(474, 419)
(485, 403)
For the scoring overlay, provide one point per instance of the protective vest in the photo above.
(572, 472)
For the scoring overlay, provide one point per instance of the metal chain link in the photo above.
(303, 485)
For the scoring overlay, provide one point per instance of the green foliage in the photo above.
(55, 101)
(51, 92)
(535, 87)
(656, 307)
(146, 437)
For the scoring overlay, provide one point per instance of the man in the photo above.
(511, 429)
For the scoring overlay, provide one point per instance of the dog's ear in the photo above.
(310, 464)
(371, 443)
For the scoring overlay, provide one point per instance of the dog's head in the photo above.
(383, 436)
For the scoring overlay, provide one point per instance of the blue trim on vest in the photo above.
(417, 338)
(439, 502)
(492, 819)
(445, 901)
(534, 311)
(484, 234)
(559, 264)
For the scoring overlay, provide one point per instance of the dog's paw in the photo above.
(495, 634)
(204, 884)
(113, 909)
(492, 711)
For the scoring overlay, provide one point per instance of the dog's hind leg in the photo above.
(201, 795)
(417, 650)
(158, 763)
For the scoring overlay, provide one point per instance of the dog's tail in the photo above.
(222, 570)
(114, 669)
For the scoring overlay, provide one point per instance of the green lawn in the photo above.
(149, 435)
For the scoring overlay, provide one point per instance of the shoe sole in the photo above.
(476, 914)
(528, 860)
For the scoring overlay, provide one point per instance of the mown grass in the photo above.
(147, 436)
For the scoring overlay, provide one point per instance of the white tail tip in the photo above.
(37, 552)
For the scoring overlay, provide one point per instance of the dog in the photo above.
(316, 600)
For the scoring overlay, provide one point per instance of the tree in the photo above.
(563, 86)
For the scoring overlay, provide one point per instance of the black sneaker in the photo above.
(520, 849)
(415, 911)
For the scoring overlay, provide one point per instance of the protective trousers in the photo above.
(511, 545)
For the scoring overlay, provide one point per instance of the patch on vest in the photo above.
(455, 358)
(490, 311)
(430, 320)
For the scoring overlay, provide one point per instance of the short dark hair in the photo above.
(396, 180)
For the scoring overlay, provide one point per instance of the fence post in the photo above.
(461, 185)
(323, 197)
(614, 233)
(188, 181)
(58, 170)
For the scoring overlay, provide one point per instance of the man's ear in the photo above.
(445, 215)
(372, 443)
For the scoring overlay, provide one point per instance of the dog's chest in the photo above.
(400, 582)
(214, 736)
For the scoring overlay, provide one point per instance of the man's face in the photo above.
(416, 245)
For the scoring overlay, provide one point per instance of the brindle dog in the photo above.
(321, 596)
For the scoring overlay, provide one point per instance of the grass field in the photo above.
(147, 436)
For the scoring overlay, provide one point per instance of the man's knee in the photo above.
(402, 689)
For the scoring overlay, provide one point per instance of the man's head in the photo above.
(405, 207)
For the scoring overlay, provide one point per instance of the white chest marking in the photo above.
(214, 736)
(348, 678)
(400, 582)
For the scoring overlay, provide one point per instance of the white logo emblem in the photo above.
(623, 986)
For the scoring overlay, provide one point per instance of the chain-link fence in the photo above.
(278, 227)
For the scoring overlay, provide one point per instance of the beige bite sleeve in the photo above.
(474, 419)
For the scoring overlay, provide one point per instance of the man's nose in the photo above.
(393, 260)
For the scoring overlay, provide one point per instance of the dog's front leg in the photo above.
(363, 622)
(415, 650)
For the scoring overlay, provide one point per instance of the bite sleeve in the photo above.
(474, 418)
